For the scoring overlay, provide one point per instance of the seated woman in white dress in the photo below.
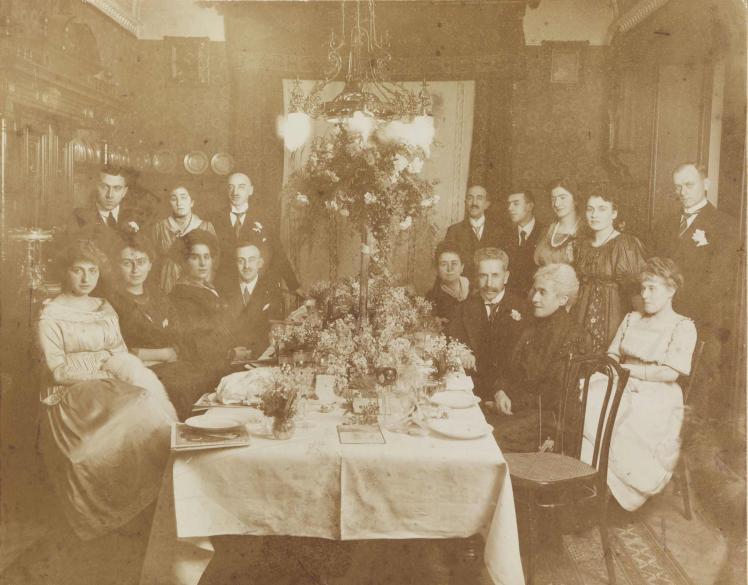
(105, 430)
(655, 346)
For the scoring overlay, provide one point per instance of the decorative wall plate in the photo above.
(141, 160)
(164, 161)
(222, 163)
(196, 162)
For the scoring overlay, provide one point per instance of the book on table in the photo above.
(185, 438)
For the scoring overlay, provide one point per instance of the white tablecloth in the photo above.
(311, 485)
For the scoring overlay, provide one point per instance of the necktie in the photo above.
(110, 220)
(522, 238)
(492, 309)
(238, 223)
(477, 229)
(684, 222)
(245, 294)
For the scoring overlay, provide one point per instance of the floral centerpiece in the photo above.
(373, 181)
(280, 401)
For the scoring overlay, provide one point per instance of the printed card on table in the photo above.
(360, 435)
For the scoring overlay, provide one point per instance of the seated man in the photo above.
(252, 301)
(536, 368)
(450, 287)
(490, 322)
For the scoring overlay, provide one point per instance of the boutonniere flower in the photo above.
(165, 323)
(699, 236)
(134, 227)
(257, 227)
(516, 315)
(301, 199)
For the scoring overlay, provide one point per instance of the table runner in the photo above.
(411, 487)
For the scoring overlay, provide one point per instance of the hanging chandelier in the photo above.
(359, 57)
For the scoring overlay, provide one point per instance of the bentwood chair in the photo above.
(544, 482)
(680, 476)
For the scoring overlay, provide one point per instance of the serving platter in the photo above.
(205, 422)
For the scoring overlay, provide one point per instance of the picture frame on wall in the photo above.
(564, 62)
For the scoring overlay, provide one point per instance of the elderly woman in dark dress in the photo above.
(203, 314)
(450, 287)
(537, 365)
(151, 326)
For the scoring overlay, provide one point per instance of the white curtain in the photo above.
(453, 103)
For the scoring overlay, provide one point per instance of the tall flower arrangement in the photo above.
(373, 182)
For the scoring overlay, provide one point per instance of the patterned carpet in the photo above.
(639, 559)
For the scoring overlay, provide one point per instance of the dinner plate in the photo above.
(164, 161)
(212, 423)
(196, 162)
(459, 429)
(221, 163)
(455, 399)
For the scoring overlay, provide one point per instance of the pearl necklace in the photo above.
(566, 236)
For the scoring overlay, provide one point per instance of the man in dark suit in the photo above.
(703, 243)
(490, 322)
(475, 231)
(242, 221)
(109, 215)
(252, 300)
(519, 242)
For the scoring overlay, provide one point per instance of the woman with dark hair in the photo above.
(150, 325)
(608, 264)
(655, 346)
(105, 436)
(450, 287)
(164, 233)
(202, 313)
(559, 242)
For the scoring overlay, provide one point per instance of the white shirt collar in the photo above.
(697, 207)
(241, 209)
(249, 286)
(527, 228)
(104, 213)
(477, 223)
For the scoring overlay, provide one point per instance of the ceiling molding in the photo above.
(634, 16)
(125, 13)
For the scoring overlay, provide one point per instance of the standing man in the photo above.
(520, 241)
(476, 230)
(490, 322)
(239, 222)
(108, 215)
(252, 301)
(703, 243)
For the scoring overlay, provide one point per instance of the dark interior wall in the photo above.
(557, 128)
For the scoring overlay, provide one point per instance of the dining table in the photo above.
(411, 486)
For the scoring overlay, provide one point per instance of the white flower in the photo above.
(302, 199)
(400, 162)
(516, 315)
(331, 205)
(428, 202)
(406, 223)
(344, 212)
(415, 166)
(257, 227)
(369, 198)
(133, 226)
(699, 236)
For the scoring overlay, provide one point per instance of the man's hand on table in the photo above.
(503, 403)
(468, 361)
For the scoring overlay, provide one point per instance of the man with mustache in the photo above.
(490, 322)
(476, 231)
(703, 242)
(242, 221)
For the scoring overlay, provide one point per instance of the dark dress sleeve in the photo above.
(202, 325)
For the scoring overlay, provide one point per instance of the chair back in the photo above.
(695, 366)
(579, 373)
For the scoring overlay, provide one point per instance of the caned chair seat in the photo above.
(545, 468)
